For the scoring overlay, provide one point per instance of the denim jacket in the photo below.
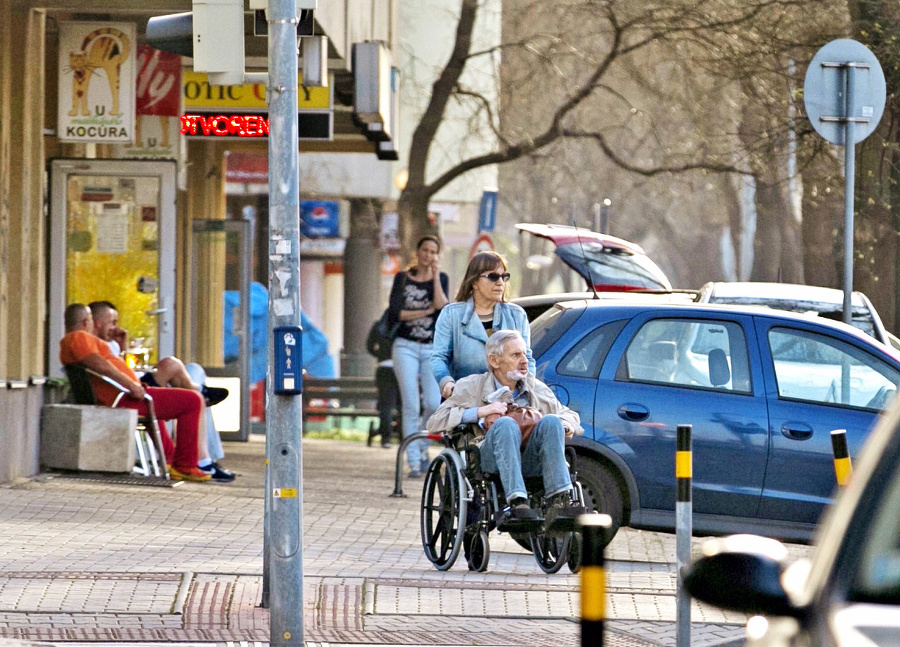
(459, 339)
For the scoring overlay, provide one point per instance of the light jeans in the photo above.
(213, 440)
(544, 455)
(412, 366)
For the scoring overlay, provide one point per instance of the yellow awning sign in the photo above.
(197, 93)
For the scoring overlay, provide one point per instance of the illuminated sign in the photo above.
(311, 125)
(198, 94)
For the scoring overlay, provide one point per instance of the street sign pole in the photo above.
(849, 195)
(283, 542)
(844, 95)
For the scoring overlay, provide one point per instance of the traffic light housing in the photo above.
(212, 34)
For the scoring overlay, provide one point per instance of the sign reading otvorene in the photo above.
(96, 82)
(240, 111)
(198, 94)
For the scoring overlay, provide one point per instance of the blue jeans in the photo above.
(412, 366)
(544, 455)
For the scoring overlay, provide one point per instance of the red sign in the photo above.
(158, 82)
(247, 167)
(225, 125)
(483, 243)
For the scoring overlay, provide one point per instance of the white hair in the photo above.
(497, 342)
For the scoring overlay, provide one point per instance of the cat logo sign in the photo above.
(96, 82)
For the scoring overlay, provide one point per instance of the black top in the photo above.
(409, 294)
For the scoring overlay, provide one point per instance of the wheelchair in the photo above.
(461, 505)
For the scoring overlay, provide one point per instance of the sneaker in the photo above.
(218, 473)
(189, 474)
(213, 394)
(414, 474)
(519, 516)
(562, 513)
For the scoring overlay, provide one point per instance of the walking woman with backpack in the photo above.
(417, 296)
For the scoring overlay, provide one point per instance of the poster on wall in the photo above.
(96, 82)
(157, 125)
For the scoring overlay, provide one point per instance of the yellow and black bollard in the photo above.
(684, 467)
(843, 469)
(594, 528)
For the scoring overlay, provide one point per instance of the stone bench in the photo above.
(88, 438)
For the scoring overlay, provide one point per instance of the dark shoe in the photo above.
(213, 394)
(414, 474)
(218, 473)
(386, 444)
(562, 513)
(519, 517)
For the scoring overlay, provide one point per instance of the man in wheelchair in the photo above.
(482, 401)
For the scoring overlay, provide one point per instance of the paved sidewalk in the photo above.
(96, 561)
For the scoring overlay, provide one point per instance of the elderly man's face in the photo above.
(106, 323)
(513, 363)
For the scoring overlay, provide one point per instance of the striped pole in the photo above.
(843, 469)
(593, 577)
(683, 532)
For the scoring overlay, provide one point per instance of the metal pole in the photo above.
(284, 417)
(593, 577)
(683, 532)
(849, 176)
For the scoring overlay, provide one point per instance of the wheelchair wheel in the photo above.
(574, 556)
(443, 511)
(478, 551)
(551, 550)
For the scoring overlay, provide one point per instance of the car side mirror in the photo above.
(742, 573)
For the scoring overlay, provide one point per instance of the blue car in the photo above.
(762, 389)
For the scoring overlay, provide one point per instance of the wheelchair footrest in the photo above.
(519, 525)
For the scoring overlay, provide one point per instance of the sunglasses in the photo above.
(493, 277)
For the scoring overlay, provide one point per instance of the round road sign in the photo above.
(844, 83)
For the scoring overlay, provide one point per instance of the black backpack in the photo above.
(377, 344)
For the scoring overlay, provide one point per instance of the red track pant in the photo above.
(181, 405)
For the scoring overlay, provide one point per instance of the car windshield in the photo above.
(878, 573)
(544, 330)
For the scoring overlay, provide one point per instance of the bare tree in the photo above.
(656, 89)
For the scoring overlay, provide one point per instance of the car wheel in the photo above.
(601, 492)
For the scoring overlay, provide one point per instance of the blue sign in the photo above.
(487, 212)
(319, 218)
(288, 360)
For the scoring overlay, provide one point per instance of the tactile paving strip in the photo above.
(86, 592)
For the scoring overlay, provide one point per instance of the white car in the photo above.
(824, 302)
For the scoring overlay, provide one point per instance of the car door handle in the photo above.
(633, 412)
(796, 431)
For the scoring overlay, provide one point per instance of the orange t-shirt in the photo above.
(75, 346)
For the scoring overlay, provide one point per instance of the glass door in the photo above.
(112, 238)
(220, 316)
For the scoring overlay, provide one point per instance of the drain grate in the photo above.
(117, 479)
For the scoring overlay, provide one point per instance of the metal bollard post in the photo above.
(593, 577)
(683, 532)
(843, 469)
(398, 468)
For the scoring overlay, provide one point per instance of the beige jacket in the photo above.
(472, 390)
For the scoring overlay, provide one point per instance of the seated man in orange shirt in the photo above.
(81, 346)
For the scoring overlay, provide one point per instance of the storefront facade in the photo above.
(99, 197)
